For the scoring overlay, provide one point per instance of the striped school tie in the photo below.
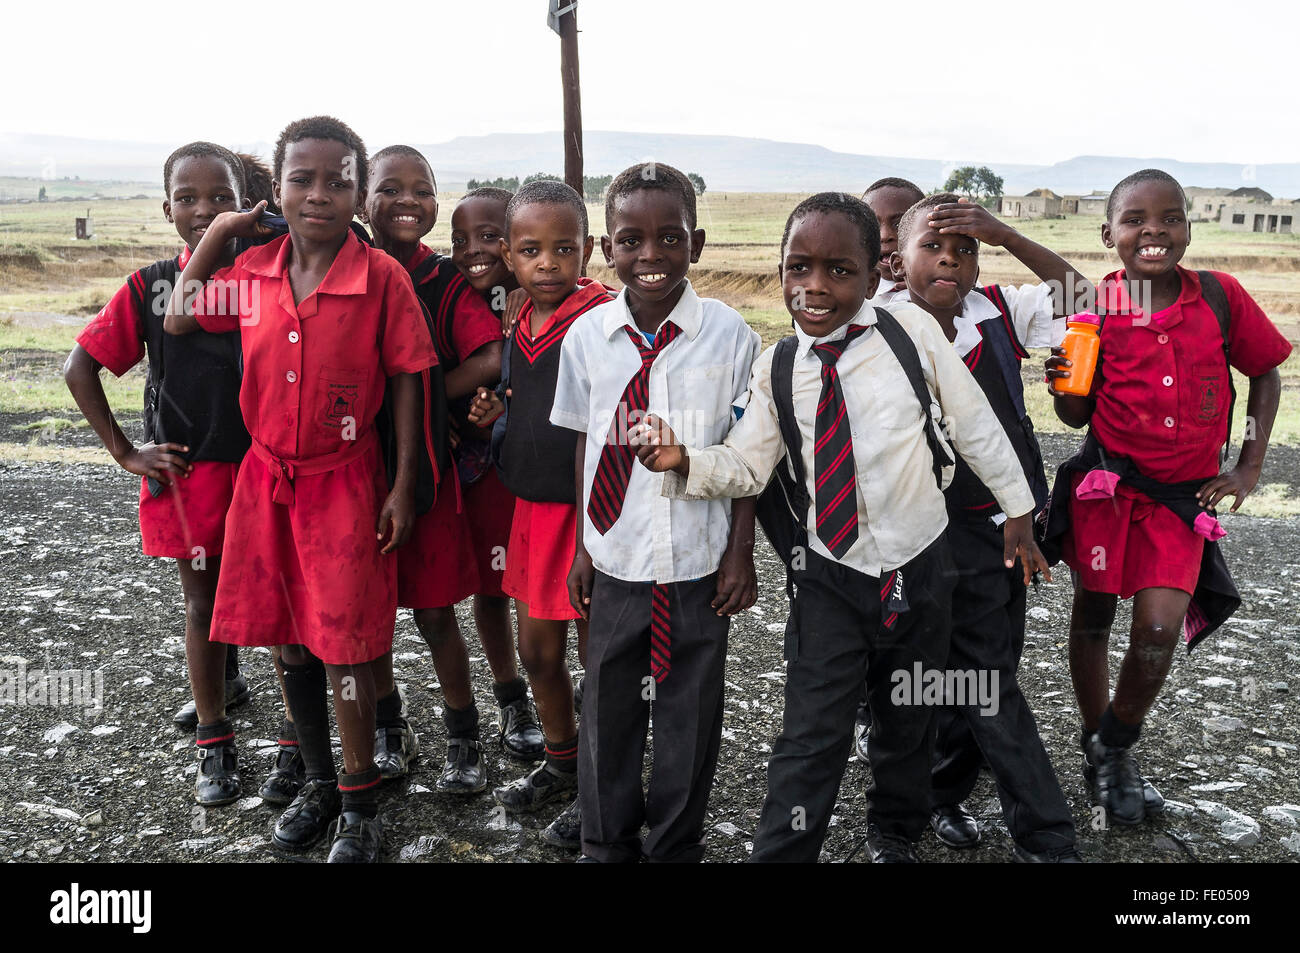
(614, 469)
(661, 655)
(837, 504)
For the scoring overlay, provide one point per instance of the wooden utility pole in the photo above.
(566, 13)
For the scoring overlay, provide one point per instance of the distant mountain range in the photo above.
(727, 163)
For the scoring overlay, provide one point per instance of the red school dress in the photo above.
(1163, 402)
(303, 562)
(458, 546)
(191, 398)
(538, 461)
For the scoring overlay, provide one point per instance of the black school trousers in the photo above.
(617, 700)
(835, 641)
(988, 634)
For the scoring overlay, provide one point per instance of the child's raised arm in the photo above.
(205, 261)
(1069, 288)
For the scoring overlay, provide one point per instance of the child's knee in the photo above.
(1153, 643)
(542, 657)
(436, 625)
(295, 655)
(198, 609)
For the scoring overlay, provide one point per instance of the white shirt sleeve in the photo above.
(744, 463)
(572, 406)
(969, 421)
(1032, 315)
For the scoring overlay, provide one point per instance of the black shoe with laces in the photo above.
(1116, 783)
(357, 839)
(217, 781)
(954, 826)
(520, 735)
(237, 694)
(1153, 802)
(538, 788)
(286, 778)
(309, 816)
(396, 748)
(889, 848)
(566, 830)
(463, 773)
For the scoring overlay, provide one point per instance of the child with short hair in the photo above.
(259, 181)
(656, 579)
(546, 246)
(990, 327)
(870, 567)
(1132, 514)
(194, 440)
(888, 199)
(443, 564)
(326, 322)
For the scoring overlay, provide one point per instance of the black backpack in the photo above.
(783, 507)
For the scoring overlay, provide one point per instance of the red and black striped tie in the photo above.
(614, 469)
(661, 655)
(836, 498)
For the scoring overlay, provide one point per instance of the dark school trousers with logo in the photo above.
(988, 634)
(835, 641)
(617, 701)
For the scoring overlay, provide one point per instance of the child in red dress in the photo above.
(194, 439)
(547, 246)
(326, 322)
(1158, 414)
(449, 556)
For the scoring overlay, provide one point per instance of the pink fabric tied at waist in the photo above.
(285, 472)
(1209, 527)
(1097, 484)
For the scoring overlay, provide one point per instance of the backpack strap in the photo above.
(1214, 295)
(904, 348)
(783, 397)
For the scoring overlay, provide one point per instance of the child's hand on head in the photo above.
(1237, 483)
(1018, 541)
(486, 407)
(967, 218)
(657, 446)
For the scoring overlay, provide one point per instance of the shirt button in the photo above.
(290, 377)
(1169, 421)
(1168, 381)
(1163, 338)
(293, 337)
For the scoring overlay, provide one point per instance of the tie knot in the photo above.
(830, 351)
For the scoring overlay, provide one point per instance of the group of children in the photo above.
(340, 421)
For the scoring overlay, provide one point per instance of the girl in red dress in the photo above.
(326, 322)
(1158, 410)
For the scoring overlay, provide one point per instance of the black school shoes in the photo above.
(1116, 783)
(286, 778)
(357, 839)
(309, 816)
(217, 781)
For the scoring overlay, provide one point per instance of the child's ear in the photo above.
(505, 254)
(246, 202)
(360, 208)
(1105, 235)
(167, 211)
(275, 194)
(873, 283)
(607, 249)
(896, 266)
(588, 247)
(697, 244)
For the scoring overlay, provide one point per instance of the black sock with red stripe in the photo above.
(304, 686)
(388, 710)
(361, 791)
(218, 733)
(288, 734)
(563, 756)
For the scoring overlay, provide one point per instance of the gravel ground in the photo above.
(117, 785)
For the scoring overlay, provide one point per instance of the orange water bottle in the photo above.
(1082, 345)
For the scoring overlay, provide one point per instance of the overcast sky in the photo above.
(1002, 81)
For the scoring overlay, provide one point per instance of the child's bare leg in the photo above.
(354, 709)
(492, 617)
(450, 654)
(1157, 624)
(542, 645)
(206, 660)
(383, 669)
(1090, 622)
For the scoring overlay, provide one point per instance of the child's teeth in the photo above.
(818, 311)
(478, 269)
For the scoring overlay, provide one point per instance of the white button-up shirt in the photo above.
(1032, 315)
(900, 509)
(695, 383)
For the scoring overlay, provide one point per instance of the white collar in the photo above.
(975, 310)
(688, 314)
(866, 316)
